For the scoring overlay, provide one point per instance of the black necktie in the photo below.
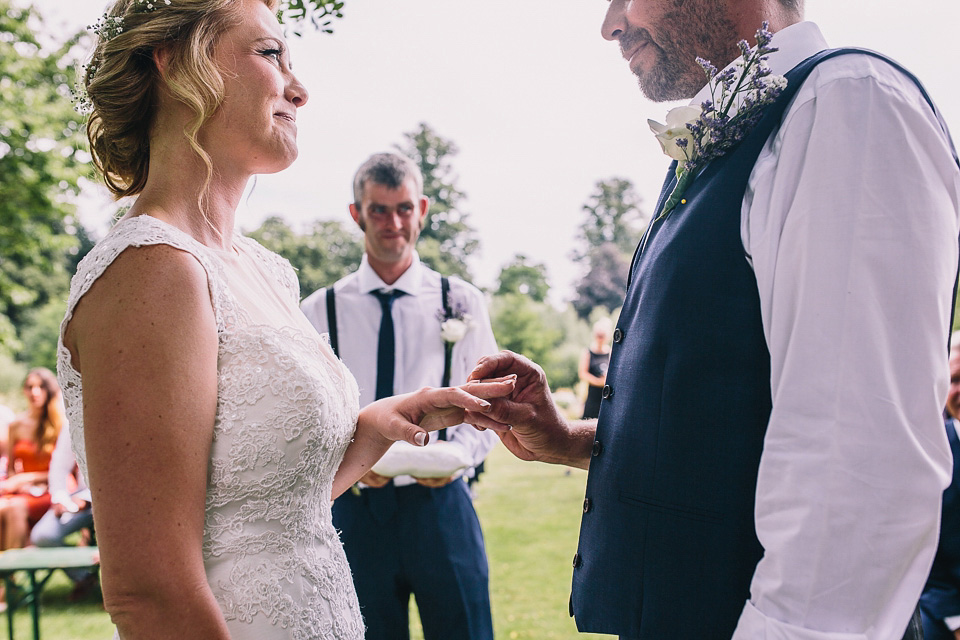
(386, 343)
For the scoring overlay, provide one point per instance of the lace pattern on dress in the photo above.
(285, 415)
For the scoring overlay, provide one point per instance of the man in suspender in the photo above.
(399, 326)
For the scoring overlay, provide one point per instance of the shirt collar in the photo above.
(410, 282)
(795, 44)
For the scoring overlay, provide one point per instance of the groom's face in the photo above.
(661, 40)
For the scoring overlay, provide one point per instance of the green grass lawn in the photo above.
(530, 515)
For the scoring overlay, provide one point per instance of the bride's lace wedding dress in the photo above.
(286, 411)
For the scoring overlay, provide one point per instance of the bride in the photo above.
(213, 424)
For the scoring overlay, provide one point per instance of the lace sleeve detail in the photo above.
(132, 232)
(277, 265)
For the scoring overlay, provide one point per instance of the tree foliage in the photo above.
(447, 240)
(612, 228)
(613, 216)
(522, 276)
(551, 338)
(40, 164)
(323, 255)
(319, 13)
(605, 282)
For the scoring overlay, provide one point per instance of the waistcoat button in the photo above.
(597, 448)
(617, 335)
(607, 392)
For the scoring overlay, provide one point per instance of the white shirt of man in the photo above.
(850, 221)
(419, 351)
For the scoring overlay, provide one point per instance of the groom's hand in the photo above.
(536, 431)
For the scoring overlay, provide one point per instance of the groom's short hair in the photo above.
(388, 169)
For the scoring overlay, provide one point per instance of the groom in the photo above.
(769, 456)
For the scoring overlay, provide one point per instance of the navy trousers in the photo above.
(422, 542)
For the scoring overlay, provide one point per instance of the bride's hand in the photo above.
(410, 416)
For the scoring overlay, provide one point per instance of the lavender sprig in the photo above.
(738, 96)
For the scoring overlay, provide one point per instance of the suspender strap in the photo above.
(447, 346)
(332, 320)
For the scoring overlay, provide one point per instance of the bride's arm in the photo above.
(145, 339)
(409, 417)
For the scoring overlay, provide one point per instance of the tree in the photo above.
(521, 276)
(328, 252)
(609, 235)
(40, 164)
(519, 325)
(447, 239)
(605, 282)
(613, 216)
(552, 338)
(320, 13)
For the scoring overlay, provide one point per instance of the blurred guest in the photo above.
(31, 438)
(6, 417)
(69, 511)
(940, 601)
(593, 367)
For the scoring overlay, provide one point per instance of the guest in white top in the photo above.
(838, 230)
(69, 510)
(410, 526)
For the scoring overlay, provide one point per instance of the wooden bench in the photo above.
(32, 561)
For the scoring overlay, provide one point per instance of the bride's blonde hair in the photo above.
(121, 81)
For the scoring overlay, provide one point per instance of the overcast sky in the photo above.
(539, 104)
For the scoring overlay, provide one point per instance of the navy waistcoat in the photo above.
(668, 545)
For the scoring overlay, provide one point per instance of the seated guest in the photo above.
(940, 602)
(69, 511)
(31, 439)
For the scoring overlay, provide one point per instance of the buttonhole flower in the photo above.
(693, 136)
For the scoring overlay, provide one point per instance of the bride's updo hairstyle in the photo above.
(122, 82)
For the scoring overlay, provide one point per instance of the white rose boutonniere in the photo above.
(452, 330)
(675, 137)
(693, 136)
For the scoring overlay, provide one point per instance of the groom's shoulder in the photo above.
(864, 72)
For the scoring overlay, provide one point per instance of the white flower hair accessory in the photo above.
(108, 27)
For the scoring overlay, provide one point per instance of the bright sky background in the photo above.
(539, 104)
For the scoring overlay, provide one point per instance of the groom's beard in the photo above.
(694, 28)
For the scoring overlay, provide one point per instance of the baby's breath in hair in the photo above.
(107, 27)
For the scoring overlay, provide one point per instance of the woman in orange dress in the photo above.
(31, 438)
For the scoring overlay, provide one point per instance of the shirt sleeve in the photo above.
(952, 622)
(477, 342)
(851, 220)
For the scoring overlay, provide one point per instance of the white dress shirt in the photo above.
(419, 352)
(850, 220)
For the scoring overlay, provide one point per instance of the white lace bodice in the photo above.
(286, 411)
